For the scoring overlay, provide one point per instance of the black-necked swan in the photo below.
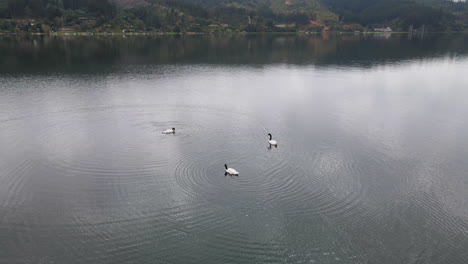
(231, 171)
(271, 141)
(169, 131)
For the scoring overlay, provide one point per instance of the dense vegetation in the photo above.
(42, 16)
(402, 13)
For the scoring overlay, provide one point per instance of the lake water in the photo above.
(371, 165)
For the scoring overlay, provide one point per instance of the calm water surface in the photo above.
(371, 167)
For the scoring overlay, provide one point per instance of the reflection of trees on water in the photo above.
(100, 53)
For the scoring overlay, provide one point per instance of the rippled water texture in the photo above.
(371, 165)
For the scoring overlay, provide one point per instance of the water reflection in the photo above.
(106, 54)
(371, 168)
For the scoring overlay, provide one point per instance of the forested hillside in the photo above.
(43, 16)
(435, 15)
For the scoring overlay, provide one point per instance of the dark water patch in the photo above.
(91, 54)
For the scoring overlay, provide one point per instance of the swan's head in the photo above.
(225, 166)
(173, 129)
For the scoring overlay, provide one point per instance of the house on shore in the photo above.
(387, 29)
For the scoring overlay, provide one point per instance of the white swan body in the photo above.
(231, 171)
(169, 131)
(271, 141)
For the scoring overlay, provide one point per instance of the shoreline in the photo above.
(78, 33)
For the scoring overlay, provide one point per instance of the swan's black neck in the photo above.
(173, 129)
(225, 165)
(270, 136)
